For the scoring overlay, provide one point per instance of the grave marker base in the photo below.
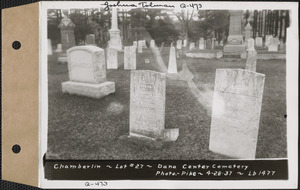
(88, 89)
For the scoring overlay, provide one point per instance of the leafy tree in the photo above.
(216, 21)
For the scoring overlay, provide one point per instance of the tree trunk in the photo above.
(280, 23)
(254, 24)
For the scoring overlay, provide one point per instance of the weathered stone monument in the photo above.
(147, 106)
(111, 58)
(130, 57)
(213, 43)
(216, 43)
(184, 43)
(67, 36)
(248, 31)
(251, 61)
(179, 44)
(49, 47)
(235, 44)
(87, 72)
(58, 48)
(273, 44)
(90, 39)
(201, 43)
(192, 45)
(258, 42)
(236, 112)
(152, 44)
(172, 68)
(115, 38)
(221, 43)
(140, 46)
(267, 40)
(208, 44)
(135, 43)
(250, 44)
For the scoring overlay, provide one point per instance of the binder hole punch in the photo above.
(16, 45)
(16, 149)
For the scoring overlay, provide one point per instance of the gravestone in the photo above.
(129, 57)
(58, 48)
(49, 47)
(172, 68)
(144, 45)
(267, 40)
(258, 42)
(221, 43)
(236, 113)
(201, 43)
(250, 45)
(234, 44)
(251, 61)
(66, 27)
(114, 33)
(179, 44)
(111, 58)
(135, 43)
(152, 44)
(192, 46)
(273, 44)
(161, 47)
(216, 43)
(205, 44)
(248, 31)
(90, 39)
(184, 43)
(87, 72)
(140, 46)
(213, 43)
(147, 106)
(208, 44)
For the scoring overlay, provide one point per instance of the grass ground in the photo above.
(86, 128)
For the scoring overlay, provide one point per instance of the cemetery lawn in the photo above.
(86, 128)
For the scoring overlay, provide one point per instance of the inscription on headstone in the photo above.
(147, 104)
(236, 112)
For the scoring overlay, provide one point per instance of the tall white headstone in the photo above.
(236, 112)
(172, 61)
(147, 106)
(129, 57)
(201, 43)
(184, 43)
(179, 44)
(111, 58)
(140, 46)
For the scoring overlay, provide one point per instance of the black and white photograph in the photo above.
(156, 81)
